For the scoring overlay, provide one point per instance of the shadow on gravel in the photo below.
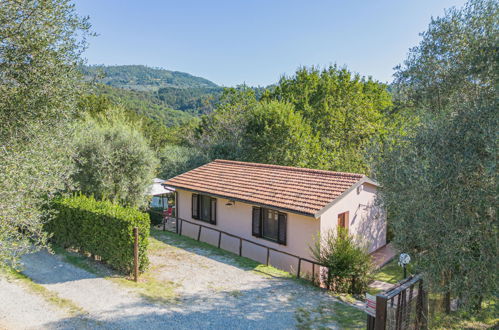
(217, 254)
(45, 268)
(266, 308)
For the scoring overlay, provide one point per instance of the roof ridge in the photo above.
(289, 168)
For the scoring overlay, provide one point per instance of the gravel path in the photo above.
(214, 292)
(21, 309)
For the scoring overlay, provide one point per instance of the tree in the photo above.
(349, 265)
(456, 61)
(221, 134)
(40, 47)
(175, 160)
(276, 134)
(440, 189)
(114, 162)
(440, 184)
(347, 112)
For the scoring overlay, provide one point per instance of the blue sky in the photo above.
(255, 42)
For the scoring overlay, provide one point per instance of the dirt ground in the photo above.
(189, 286)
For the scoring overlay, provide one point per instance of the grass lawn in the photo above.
(391, 272)
(332, 315)
(487, 318)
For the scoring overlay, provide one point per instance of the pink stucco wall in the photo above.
(367, 220)
(236, 219)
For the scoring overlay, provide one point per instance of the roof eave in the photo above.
(308, 214)
(361, 181)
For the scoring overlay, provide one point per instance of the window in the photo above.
(269, 224)
(343, 220)
(204, 208)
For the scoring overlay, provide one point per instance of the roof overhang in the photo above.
(316, 215)
(363, 180)
(245, 201)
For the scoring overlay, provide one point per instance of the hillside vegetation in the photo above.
(141, 77)
(144, 103)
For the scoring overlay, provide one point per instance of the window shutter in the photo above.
(213, 211)
(195, 206)
(282, 225)
(344, 220)
(257, 221)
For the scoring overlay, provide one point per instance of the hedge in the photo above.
(100, 228)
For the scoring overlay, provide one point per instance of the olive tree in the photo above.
(40, 47)
(113, 162)
(439, 184)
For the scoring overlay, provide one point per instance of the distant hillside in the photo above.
(162, 88)
(144, 103)
(141, 77)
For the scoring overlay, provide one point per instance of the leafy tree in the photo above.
(40, 47)
(440, 184)
(144, 104)
(102, 108)
(347, 112)
(221, 133)
(349, 264)
(276, 134)
(175, 160)
(440, 189)
(456, 61)
(114, 162)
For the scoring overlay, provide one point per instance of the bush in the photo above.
(114, 162)
(349, 264)
(100, 228)
(156, 215)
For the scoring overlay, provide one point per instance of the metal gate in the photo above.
(403, 307)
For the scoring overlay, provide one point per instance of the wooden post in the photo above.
(313, 273)
(299, 268)
(219, 239)
(176, 212)
(136, 254)
(199, 232)
(380, 323)
(268, 256)
(371, 321)
(180, 231)
(424, 312)
(240, 247)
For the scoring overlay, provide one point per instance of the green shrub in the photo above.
(100, 228)
(349, 264)
(156, 215)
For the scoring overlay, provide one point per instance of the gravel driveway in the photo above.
(213, 292)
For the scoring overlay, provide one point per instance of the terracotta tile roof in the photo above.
(297, 189)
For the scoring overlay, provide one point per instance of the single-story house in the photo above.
(281, 207)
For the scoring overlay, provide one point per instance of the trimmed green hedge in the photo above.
(100, 228)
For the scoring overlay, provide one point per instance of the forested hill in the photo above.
(141, 77)
(154, 92)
